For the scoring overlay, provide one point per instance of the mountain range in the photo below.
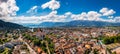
(9, 25)
(76, 23)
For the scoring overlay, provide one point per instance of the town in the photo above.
(88, 40)
(59, 27)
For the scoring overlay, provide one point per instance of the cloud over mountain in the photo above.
(91, 15)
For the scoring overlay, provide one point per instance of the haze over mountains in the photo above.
(76, 23)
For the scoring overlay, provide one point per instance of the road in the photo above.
(104, 46)
(30, 49)
(47, 47)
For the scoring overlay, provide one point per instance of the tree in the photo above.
(114, 53)
(106, 40)
(113, 39)
(6, 51)
(37, 42)
(1, 42)
(87, 51)
(95, 51)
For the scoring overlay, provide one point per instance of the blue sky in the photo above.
(64, 10)
(74, 6)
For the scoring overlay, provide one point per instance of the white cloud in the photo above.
(91, 15)
(53, 5)
(68, 13)
(54, 17)
(8, 8)
(96, 16)
(117, 19)
(77, 17)
(53, 13)
(23, 19)
(110, 16)
(33, 9)
(107, 12)
(51, 17)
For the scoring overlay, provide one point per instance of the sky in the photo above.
(38, 11)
